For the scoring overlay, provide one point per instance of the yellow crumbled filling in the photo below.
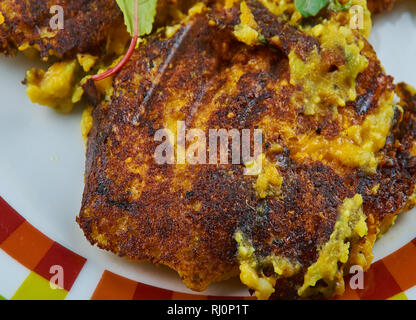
(362, 252)
(246, 34)
(375, 188)
(117, 40)
(86, 122)
(262, 285)
(46, 33)
(229, 3)
(358, 14)
(411, 201)
(357, 145)
(269, 181)
(105, 86)
(246, 31)
(198, 8)
(33, 50)
(276, 148)
(1, 18)
(246, 16)
(282, 9)
(78, 93)
(320, 85)
(254, 167)
(363, 13)
(351, 224)
(60, 86)
(413, 149)
(54, 87)
(171, 30)
(86, 61)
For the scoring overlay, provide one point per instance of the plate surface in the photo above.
(42, 165)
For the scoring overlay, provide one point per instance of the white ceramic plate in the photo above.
(42, 160)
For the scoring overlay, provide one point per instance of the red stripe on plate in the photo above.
(59, 259)
(227, 298)
(10, 220)
(146, 292)
(379, 284)
(186, 296)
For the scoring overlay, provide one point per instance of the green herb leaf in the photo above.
(335, 5)
(146, 14)
(262, 39)
(310, 8)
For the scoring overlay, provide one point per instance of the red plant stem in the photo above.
(129, 53)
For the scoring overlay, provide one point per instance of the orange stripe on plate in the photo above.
(402, 266)
(27, 245)
(114, 287)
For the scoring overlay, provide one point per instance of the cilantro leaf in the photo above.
(310, 8)
(138, 17)
(335, 5)
(146, 14)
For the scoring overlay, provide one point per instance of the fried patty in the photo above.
(213, 73)
(378, 6)
(87, 25)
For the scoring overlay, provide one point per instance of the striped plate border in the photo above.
(25, 248)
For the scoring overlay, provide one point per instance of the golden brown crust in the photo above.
(378, 6)
(87, 24)
(186, 217)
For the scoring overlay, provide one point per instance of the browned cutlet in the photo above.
(87, 24)
(378, 6)
(187, 216)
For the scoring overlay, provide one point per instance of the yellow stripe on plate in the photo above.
(36, 287)
(399, 296)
